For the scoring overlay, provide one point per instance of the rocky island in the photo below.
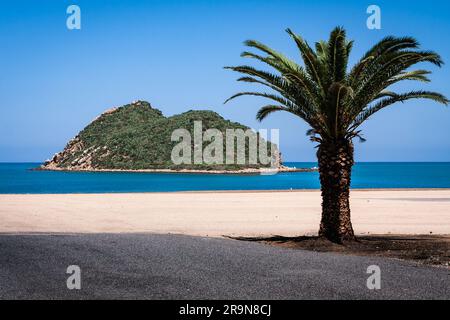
(138, 137)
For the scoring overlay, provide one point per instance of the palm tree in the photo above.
(335, 101)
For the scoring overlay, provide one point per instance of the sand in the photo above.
(287, 213)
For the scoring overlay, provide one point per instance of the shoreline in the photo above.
(229, 191)
(247, 171)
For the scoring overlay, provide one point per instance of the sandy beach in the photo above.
(215, 214)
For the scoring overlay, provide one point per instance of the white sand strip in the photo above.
(223, 213)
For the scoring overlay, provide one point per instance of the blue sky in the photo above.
(54, 81)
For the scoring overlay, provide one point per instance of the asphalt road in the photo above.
(147, 266)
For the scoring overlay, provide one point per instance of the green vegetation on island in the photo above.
(138, 137)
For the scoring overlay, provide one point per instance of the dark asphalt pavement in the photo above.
(149, 266)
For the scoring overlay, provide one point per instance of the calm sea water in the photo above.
(17, 178)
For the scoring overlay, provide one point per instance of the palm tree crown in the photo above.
(333, 100)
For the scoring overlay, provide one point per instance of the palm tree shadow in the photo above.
(313, 243)
(427, 249)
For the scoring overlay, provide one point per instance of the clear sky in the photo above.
(54, 81)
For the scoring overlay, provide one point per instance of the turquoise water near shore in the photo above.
(18, 178)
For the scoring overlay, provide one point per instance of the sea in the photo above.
(18, 178)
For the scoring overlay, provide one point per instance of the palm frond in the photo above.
(418, 75)
(369, 111)
(264, 111)
(275, 54)
(290, 91)
(337, 55)
(313, 66)
(386, 45)
(270, 96)
(322, 50)
(391, 70)
(292, 72)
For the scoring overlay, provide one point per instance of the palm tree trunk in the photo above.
(335, 166)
